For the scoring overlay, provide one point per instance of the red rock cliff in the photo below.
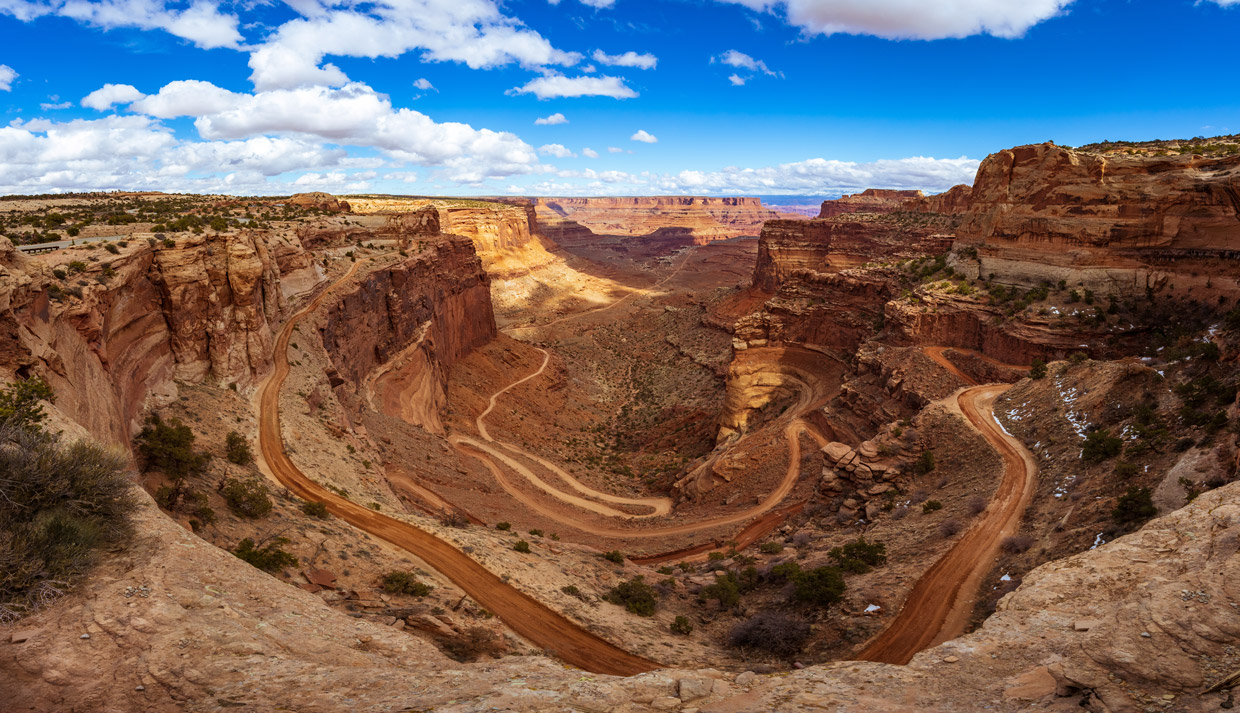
(706, 218)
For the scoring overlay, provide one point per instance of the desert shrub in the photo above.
(1038, 370)
(315, 508)
(925, 463)
(269, 558)
(503, 526)
(1015, 544)
(771, 631)
(930, 506)
(859, 556)
(950, 528)
(19, 403)
(634, 595)
(1133, 507)
(246, 498)
(726, 590)
(976, 505)
(402, 582)
(820, 586)
(716, 556)
(771, 548)
(614, 556)
(1125, 470)
(1184, 444)
(681, 625)
(237, 449)
(1101, 445)
(572, 591)
(522, 546)
(473, 643)
(169, 447)
(59, 506)
(536, 533)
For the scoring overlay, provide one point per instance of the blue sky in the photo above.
(806, 97)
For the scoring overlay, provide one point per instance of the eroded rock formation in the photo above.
(706, 219)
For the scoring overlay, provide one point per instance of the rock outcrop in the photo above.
(128, 327)
(707, 219)
(1115, 224)
(319, 201)
(871, 200)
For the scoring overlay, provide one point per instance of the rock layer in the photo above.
(707, 219)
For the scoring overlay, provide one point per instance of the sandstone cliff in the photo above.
(1111, 223)
(871, 200)
(707, 218)
(128, 327)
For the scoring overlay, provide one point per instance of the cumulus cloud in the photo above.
(736, 80)
(186, 97)
(556, 86)
(7, 76)
(52, 106)
(597, 4)
(644, 136)
(901, 19)
(424, 84)
(474, 33)
(819, 176)
(557, 150)
(554, 119)
(106, 96)
(201, 23)
(614, 149)
(628, 59)
(740, 60)
(589, 153)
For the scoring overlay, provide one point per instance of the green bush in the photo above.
(1125, 470)
(681, 625)
(614, 556)
(1100, 445)
(930, 506)
(19, 403)
(1038, 370)
(820, 586)
(401, 582)
(60, 505)
(634, 595)
(925, 463)
(1134, 507)
(503, 526)
(270, 558)
(169, 447)
(859, 556)
(522, 546)
(246, 498)
(726, 590)
(771, 548)
(238, 450)
(314, 508)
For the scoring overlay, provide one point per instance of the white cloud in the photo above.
(473, 32)
(597, 4)
(201, 23)
(424, 84)
(905, 19)
(1226, 3)
(628, 59)
(555, 85)
(557, 150)
(644, 136)
(554, 119)
(52, 106)
(740, 60)
(402, 176)
(614, 149)
(824, 177)
(104, 97)
(589, 153)
(736, 80)
(7, 75)
(186, 97)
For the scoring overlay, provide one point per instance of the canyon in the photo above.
(540, 405)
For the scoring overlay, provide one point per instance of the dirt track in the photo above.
(941, 602)
(521, 612)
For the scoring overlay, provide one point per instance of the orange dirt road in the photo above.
(521, 612)
(941, 602)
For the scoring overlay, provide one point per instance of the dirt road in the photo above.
(941, 602)
(521, 612)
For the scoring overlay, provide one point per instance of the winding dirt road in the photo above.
(942, 601)
(521, 612)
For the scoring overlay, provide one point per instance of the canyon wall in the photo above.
(131, 325)
(426, 312)
(1111, 223)
(707, 219)
(871, 200)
